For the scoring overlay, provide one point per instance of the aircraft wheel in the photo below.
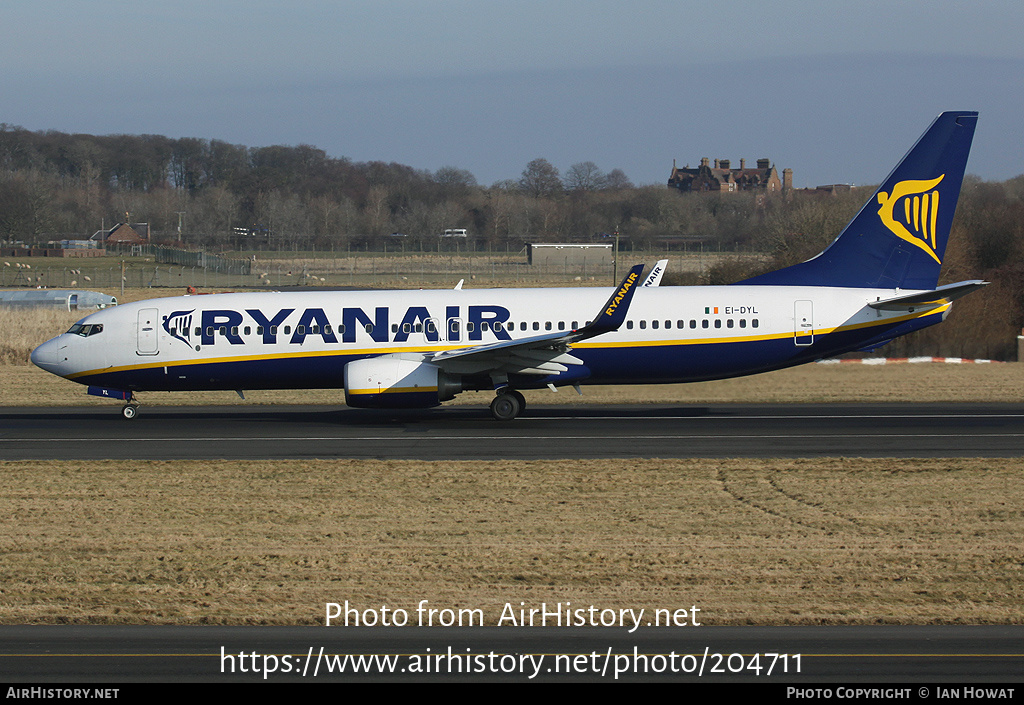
(129, 411)
(519, 398)
(505, 407)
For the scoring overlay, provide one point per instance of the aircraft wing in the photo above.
(929, 299)
(541, 354)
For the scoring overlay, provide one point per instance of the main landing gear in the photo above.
(507, 404)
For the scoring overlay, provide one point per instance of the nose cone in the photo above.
(48, 356)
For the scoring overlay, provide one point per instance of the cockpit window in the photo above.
(86, 330)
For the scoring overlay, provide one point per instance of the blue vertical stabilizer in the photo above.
(898, 238)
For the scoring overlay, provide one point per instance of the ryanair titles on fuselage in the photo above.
(317, 322)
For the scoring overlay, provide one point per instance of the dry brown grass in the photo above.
(920, 383)
(21, 330)
(765, 542)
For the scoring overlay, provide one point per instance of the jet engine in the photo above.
(394, 382)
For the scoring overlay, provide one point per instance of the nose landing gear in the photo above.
(131, 408)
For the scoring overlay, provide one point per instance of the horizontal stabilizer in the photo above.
(929, 299)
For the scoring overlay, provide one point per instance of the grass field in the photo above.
(921, 383)
(761, 542)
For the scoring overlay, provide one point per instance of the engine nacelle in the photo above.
(392, 382)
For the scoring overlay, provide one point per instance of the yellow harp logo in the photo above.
(914, 220)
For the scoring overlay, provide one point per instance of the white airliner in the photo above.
(403, 349)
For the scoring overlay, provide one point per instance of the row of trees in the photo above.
(55, 185)
(60, 185)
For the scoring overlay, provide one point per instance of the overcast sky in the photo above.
(835, 91)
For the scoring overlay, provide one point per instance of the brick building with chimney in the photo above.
(723, 178)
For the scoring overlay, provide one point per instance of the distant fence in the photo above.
(192, 258)
(165, 267)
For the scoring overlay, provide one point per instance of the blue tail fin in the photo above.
(898, 238)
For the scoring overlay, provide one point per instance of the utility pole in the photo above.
(615, 259)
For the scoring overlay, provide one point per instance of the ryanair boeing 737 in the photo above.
(402, 349)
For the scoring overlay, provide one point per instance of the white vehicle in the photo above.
(394, 349)
(455, 232)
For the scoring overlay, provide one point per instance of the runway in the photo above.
(542, 432)
(712, 655)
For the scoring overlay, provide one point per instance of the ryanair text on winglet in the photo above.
(621, 294)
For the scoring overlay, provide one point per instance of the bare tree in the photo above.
(540, 179)
(584, 176)
(616, 180)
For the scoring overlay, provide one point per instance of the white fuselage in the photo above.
(304, 340)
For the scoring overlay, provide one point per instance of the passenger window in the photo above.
(743, 323)
(718, 323)
(536, 325)
(704, 323)
(693, 323)
(654, 324)
(643, 325)
(728, 324)
(248, 330)
(547, 325)
(753, 323)
(629, 325)
(259, 330)
(368, 327)
(299, 330)
(561, 325)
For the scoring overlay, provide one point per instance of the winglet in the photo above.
(657, 271)
(614, 311)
